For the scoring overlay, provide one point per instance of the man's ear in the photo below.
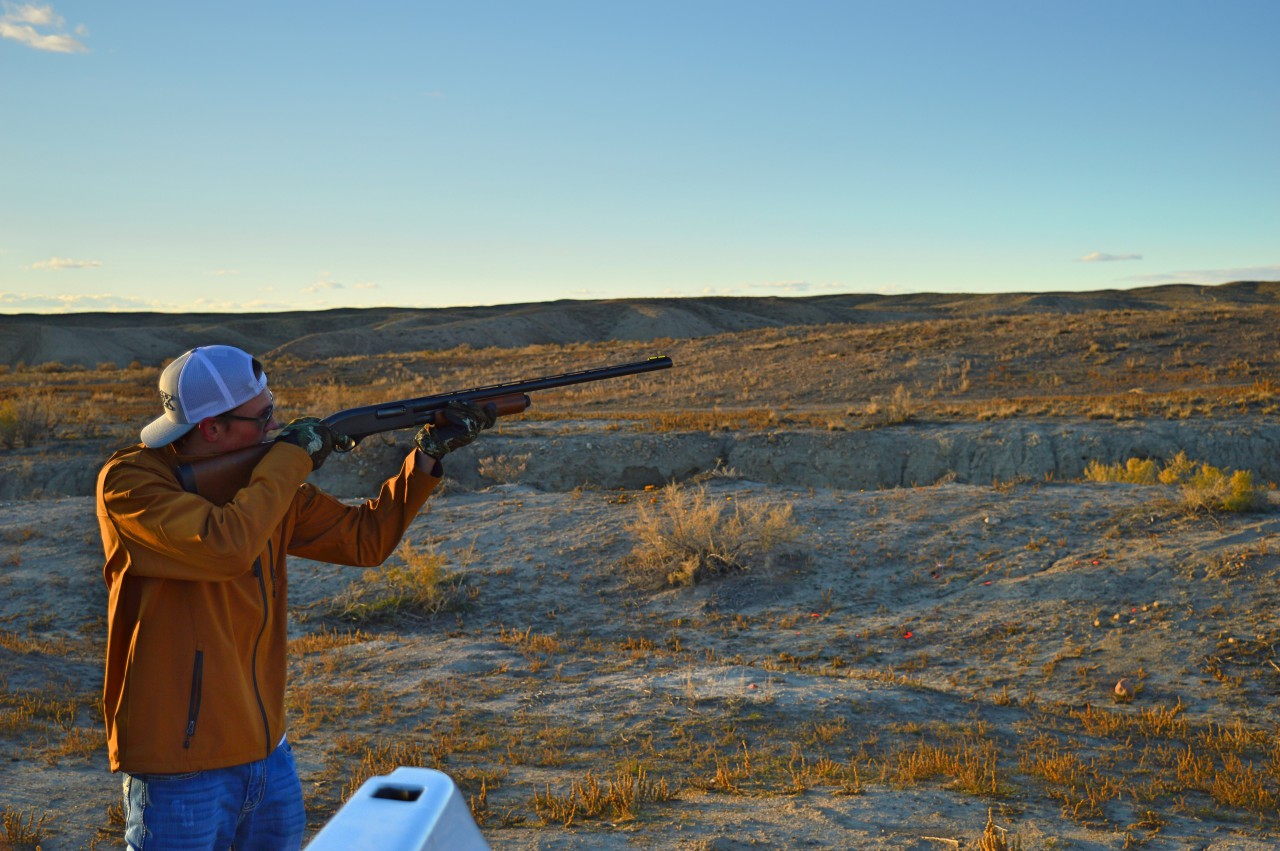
(210, 428)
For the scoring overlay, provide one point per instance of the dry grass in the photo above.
(620, 798)
(968, 764)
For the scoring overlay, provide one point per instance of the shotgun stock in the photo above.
(219, 477)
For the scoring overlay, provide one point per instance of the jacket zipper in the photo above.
(257, 693)
(271, 563)
(193, 707)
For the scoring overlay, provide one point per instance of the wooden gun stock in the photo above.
(219, 477)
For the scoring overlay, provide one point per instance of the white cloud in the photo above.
(39, 27)
(322, 285)
(57, 264)
(208, 305)
(225, 273)
(1212, 276)
(366, 285)
(790, 287)
(109, 303)
(28, 303)
(1100, 257)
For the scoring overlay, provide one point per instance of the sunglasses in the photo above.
(263, 420)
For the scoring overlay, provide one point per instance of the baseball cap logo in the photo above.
(166, 399)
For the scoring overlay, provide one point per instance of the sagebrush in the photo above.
(417, 580)
(686, 535)
(26, 421)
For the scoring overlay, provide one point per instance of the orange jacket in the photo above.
(198, 593)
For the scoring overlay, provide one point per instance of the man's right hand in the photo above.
(316, 438)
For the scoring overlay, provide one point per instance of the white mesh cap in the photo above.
(204, 382)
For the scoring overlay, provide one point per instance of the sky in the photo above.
(239, 156)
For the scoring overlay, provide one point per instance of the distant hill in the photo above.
(93, 338)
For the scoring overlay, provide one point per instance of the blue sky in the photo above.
(243, 156)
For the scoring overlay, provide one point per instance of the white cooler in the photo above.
(410, 809)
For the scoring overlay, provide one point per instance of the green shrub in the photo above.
(1211, 489)
(1179, 469)
(1203, 487)
(1135, 471)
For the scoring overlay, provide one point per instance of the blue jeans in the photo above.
(252, 807)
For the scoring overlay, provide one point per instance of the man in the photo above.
(197, 607)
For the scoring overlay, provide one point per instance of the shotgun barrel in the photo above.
(359, 423)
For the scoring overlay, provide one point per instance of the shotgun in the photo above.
(219, 477)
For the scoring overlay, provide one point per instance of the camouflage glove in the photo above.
(463, 423)
(316, 438)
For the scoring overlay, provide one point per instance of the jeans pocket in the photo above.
(189, 809)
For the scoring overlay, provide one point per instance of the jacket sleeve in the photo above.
(362, 535)
(173, 534)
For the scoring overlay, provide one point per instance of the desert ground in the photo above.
(921, 602)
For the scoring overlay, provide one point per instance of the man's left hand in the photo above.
(463, 424)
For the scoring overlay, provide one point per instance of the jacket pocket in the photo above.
(193, 706)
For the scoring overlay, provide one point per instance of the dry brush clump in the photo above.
(504, 469)
(686, 534)
(27, 420)
(996, 838)
(22, 830)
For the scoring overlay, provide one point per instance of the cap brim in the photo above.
(163, 431)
